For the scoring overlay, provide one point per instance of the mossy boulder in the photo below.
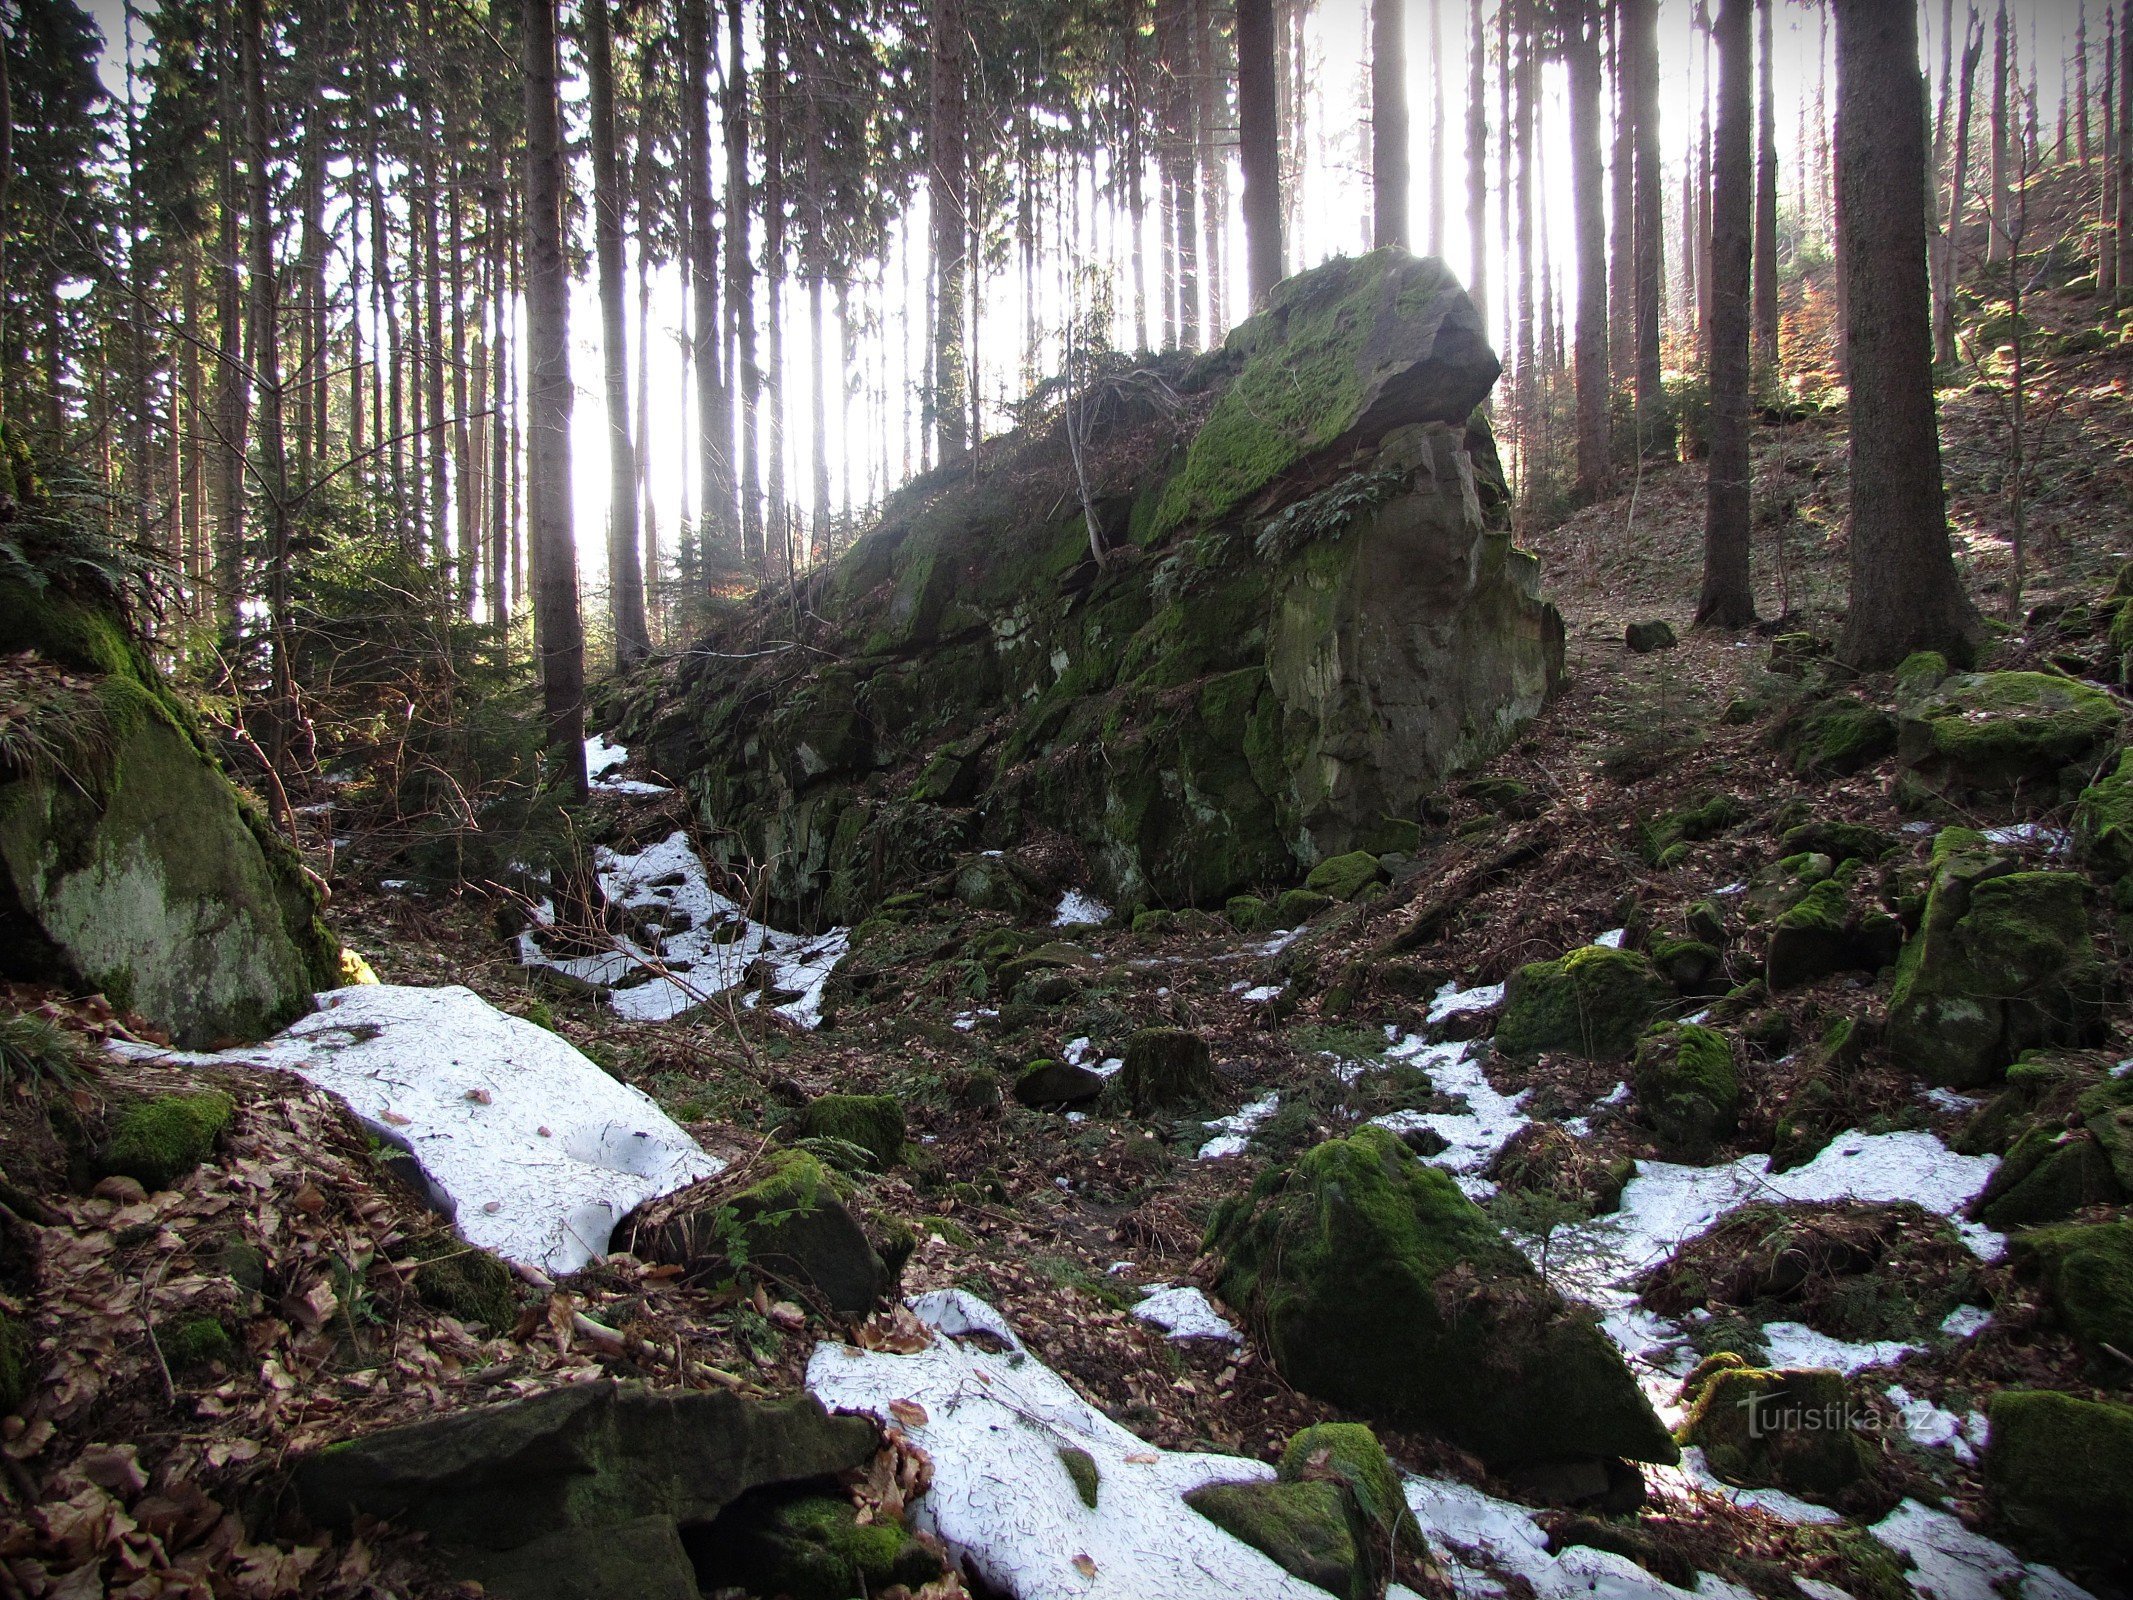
(1594, 1002)
(1835, 736)
(2001, 963)
(1049, 1083)
(1298, 906)
(470, 1284)
(873, 1122)
(1311, 1530)
(1167, 1069)
(812, 1548)
(2087, 1273)
(1346, 876)
(157, 1141)
(1378, 1286)
(1792, 1429)
(2068, 1137)
(1645, 637)
(1831, 928)
(1687, 1088)
(1988, 733)
(1840, 841)
(1350, 1454)
(2060, 1471)
(128, 863)
(2103, 819)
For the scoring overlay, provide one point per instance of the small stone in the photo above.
(1645, 637)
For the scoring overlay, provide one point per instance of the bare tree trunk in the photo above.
(1588, 181)
(1996, 231)
(947, 183)
(548, 402)
(1214, 192)
(1622, 245)
(1477, 158)
(2081, 85)
(434, 437)
(1905, 594)
(272, 468)
(740, 280)
(232, 390)
(2125, 151)
(1766, 204)
(1525, 390)
(1258, 146)
(1951, 241)
(717, 536)
(1728, 598)
(2107, 236)
(625, 576)
(1640, 45)
(1436, 129)
(1388, 122)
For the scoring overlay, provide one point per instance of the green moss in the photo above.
(465, 1282)
(2061, 1475)
(14, 1365)
(873, 1122)
(1154, 923)
(1298, 906)
(1594, 1002)
(1310, 1530)
(159, 1141)
(1378, 1286)
(2088, 1273)
(1790, 1429)
(815, 1548)
(1167, 1069)
(1836, 736)
(1994, 730)
(1350, 1454)
(1248, 913)
(1690, 965)
(2103, 818)
(195, 1342)
(1081, 1467)
(1921, 672)
(1687, 1088)
(1345, 877)
(1840, 841)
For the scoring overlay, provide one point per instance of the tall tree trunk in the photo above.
(1388, 122)
(272, 468)
(1996, 216)
(947, 206)
(436, 434)
(740, 279)
(2081, 85)
(776, 80)
(1436, 129)
(501, 456)
(2125, 151)
(548, 402)
(2106, 235)
(1588, 180)
(1905, 594)
(625, 576)
(1258, 146)
(1640, 45)
(717, 536)
(1766, 203)
(1214, 191)
(648, 508)
(1622, 243)
(1951, 240)
(1728, 598)
(232, 390)
(1477, 159)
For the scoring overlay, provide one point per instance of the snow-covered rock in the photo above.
(534, 1151)
(1185, 1313)
(1955, 1564)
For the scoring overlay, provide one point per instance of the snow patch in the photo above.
(1794, 1344)
(1965, 1321)
(2052, 841)
(1473, 1136)
(534, 1151)
(691, 943)
(1078, 909)
(1237, 1128)
(1185, 1313)
(1612, 938)
(1261, 993)
(1451, 1000)
(1956, 1564)
(1696, 1472)
(602, 758)
(1937, 1428)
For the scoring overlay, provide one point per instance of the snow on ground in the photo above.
(1473, 1136)
(601, 760)
(1938, 1428)
(1695, 1473)
(1451, 1000)
(1794, 1344)
(1185, 1313)
(705, 947)
(1956, 1564)
(1237, 1128)
(2052, 841)
(1612, 938)
(1078, 909)
(534, 1151)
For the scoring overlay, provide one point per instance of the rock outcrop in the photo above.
(1285, 607)
(128, 863)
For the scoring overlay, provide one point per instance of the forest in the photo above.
(1079, 798)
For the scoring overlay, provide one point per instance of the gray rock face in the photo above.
(1307, 611)
(579, 1492)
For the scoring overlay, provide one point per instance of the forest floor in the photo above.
(1063, 1221)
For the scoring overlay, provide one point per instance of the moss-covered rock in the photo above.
(467, 1283)
(2061, 1475)
(2001, 963)
(1835, 736)
(2103, 819)
(873, 1122)
(815, 1548)
(2067, 1131)
(195, 1342)
(1645, 637)
(1791, 1429)
(1311, 1530)
(1831, 928)
(128, 862)
(1248, 913)
(1594, 1002)
(1350, 1454)
(1298, 906)
(1687, 1088)
(1996, 732)
(1167, 1069)
(1840, 841)
(2088, 1274)
(1690, 965)
(1378, 1286)
(1082, 1469)
(1346, 876)
(158, 1141)
(1049, 1083)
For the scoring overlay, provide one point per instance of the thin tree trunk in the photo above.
(1640, 43)
(1214, 195)
(1996, 231)
(1388, 122)
(1258, 147)
(548, 404)
(946, 199)
(1905, 594)
(1951, 241)
(740, 280)
(1588, 181)
(272, 468)
(2081, 86)
(2125, 152)
(1728, 598)
(625, 576)
(1766, 203)
(718, 543)
(776, 81)
(1477, 159)
(232, 389)
(2106, 235)
(1622, 244)
(1436, 129)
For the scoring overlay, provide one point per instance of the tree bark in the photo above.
(1996, 232)
(1588, 181)
(1388, 122)
(625, 574)
(2125, 152)
(1477, 159)
(1436, 128)
(1728, 598)
(946, 202)
(548, 402)
(740, 281)
(1640, 44)
(1766, 203)
(1905, 594)
(1622, 244)
(1951, 239)
(271, 469)
(1258, 146)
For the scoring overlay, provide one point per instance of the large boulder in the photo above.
(128, 863)
(1380, 1287)
(2066, 1131)
(1793, 1429)
(2061, 1475)
(583, 1491)
(1306, 612)
(1998, 732)
(2001, 963)
(1594, 1002)
(1688, 1088)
